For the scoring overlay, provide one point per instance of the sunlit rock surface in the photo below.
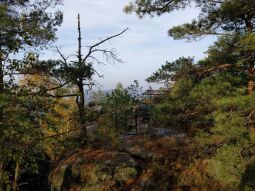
(127, 168)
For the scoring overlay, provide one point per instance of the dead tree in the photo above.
(79, 72)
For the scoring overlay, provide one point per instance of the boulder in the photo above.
(94, 170)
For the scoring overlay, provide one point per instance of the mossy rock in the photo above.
(92, 170)
(57, 177)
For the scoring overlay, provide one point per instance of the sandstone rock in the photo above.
(92, 170)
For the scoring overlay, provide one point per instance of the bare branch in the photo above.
(101, 76)
(60, 134)
(64, 59)
(213, 69)
(109, 54)
(97, 61)
(92, 48)
(59, 86)
(61, 96)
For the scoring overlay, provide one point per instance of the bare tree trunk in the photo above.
(16, 177)
(81, 102)
(79, 41)
(1, 178)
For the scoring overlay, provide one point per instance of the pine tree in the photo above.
(221, 18)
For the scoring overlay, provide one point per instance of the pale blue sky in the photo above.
(144, 48)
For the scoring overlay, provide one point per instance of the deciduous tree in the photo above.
(23, 24)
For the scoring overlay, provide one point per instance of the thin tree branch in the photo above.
(59, 86)
(64, 61)
(92, 48)
(61, 96)
(213, 69)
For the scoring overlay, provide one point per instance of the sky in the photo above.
(143, 48)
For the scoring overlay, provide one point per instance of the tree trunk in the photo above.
(1, 178)
(1, 119)
(81, 101)
(1, 84)
(81, 105)
(16, 177)
(251, 60)
(250, 85)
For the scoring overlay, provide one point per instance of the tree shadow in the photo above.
(248, 178)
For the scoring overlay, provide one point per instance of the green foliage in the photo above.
(231, 18)
(23, 24)
(173, 71)
(21, 135)
(207, 98)
(215, 16)
(118, 105)
(226, 16)
(119, 99)
(106, 135)
(191, 103)
(217, 105)
(151, 7)
(135, 91)
(114, 118)
(235, 139)
(27, 23)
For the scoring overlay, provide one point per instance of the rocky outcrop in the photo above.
(92, 170)
(127, 168)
